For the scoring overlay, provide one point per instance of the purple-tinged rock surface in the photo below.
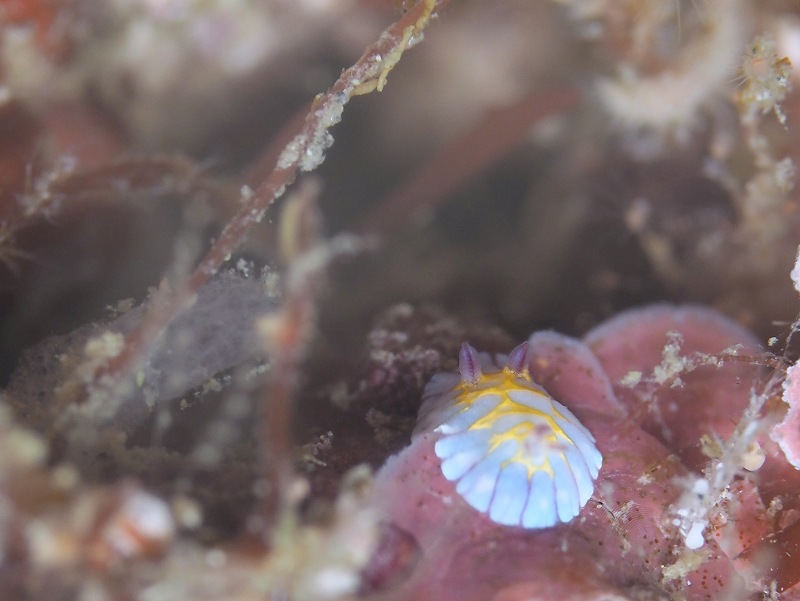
(648, 384)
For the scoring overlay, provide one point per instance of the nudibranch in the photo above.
(513, 451)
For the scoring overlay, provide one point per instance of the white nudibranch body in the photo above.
(513, 451)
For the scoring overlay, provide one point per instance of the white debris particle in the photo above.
(143, 520)
(333, 582)
(784, 174)
(65, 477)
(315, 153)
(26, 448)
(151, 515)
(796, 272)
(631, 379)
(188, 512)
(700, 487)
(330, 116)
(686, 563)
(415, 39)
(244, 268)
(765, 80)
(216, 558)
(711, 446)
(694, 537)
(672, 363)
(291, 153)
(383, 357)
(754, 457)
(212, 385)
(692, 512)
(123, 306)
(104, 346)
(340, 395)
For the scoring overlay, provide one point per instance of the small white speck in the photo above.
(631, 379)
(694, 537)
(216, 558)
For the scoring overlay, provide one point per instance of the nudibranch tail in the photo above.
(513, 451)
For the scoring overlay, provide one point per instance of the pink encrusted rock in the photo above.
(787, 433)
(706, 401)
(625, 542)
(465, 556)
(569, 371)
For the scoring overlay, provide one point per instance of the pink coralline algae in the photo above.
(787, 433)
(663, 390)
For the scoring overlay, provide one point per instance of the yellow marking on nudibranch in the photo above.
(502, 383)
(526, 462)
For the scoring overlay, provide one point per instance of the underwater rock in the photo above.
(648, 385)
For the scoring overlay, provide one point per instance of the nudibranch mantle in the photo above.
(514, 451)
